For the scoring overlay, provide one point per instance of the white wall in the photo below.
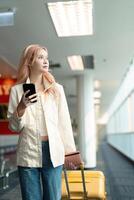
(120, 127)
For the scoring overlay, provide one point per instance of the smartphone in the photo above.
(31, 88)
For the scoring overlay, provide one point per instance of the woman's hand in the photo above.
(25, 102)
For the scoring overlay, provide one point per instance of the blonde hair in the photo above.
(27, 58)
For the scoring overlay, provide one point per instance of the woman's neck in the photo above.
(37, 80)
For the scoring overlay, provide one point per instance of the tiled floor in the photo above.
(118, 170)
(119, 173)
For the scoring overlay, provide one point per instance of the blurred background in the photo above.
(91, 53)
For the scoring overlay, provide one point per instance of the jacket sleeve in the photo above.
(15, 122)
(65, 124)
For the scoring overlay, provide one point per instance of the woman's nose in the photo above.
(45, 61)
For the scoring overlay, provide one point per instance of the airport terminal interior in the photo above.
(90, 46)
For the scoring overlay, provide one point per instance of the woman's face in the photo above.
(41, 63)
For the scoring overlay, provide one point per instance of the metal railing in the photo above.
(3, 164)
(1, 182)
(7, 173)
(8, 176)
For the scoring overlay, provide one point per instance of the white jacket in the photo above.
(61, 141)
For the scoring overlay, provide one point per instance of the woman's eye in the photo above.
(40, 57)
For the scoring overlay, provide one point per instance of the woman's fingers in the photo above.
(32, 96)
(25, 94)
(28, 100)
(33, 99)
(25, 99)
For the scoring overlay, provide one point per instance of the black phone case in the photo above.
(30, 87)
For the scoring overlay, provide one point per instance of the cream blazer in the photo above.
(61, 141)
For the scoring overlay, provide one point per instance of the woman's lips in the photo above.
(45, 66)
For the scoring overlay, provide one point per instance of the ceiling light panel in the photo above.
(96, 101)
(97, 94)
(7, 17)
(72, 18)
(75, 62)
(97, 84)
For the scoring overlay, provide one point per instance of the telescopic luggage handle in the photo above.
(74, 161)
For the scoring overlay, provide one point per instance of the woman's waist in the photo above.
(44, 137)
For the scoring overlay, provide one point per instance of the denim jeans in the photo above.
(41, 183)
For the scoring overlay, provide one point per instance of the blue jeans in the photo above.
(35, 180)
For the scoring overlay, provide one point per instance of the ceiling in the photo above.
(112, 43)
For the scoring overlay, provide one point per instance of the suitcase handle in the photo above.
(66, 180)
(83, 181)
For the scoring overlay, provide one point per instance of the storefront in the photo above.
(5, 85)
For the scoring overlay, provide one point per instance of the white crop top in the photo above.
(39, 116)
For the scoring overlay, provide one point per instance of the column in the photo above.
(86, 119)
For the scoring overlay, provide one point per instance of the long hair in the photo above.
(28, 57)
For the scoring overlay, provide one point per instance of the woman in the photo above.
(44, 127)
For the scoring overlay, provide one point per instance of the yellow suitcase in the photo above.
(73, 187)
